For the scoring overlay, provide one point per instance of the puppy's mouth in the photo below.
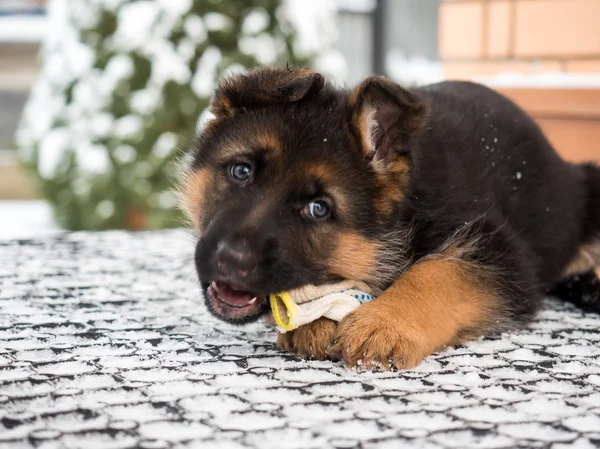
(234, 304)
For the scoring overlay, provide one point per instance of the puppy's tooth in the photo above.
(253, 300)
(213, 284)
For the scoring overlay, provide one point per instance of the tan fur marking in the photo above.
(194, 189)
(269, 141)
(392, 190)
(221, 106)
(586, 259)
(320, 171)
(311, 341)
(354, 257)
(257, 214)
(432, 305)
(364, 121)
(245, 143)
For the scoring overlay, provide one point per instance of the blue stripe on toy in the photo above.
(360, 296)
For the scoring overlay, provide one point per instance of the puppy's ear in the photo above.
(383, 117)
(264, 87)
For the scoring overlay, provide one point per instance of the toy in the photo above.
(300, 306)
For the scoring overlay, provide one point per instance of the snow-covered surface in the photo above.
(104, 343)
(25, 28)
(358, 6)
(413, 70)
(26, 219)
(543, 80)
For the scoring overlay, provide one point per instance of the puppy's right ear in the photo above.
(263, 87)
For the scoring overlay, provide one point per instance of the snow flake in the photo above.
(203, 81)
(93, 158)
(176, 8)
(262, 47)
(165, 144)
(51, 152)
(120, 66)
(105, 208)
(256, 21)
(216, 21)
(128, 126)
(134, 25)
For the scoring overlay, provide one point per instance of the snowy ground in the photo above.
(104, 343)
(25, 219)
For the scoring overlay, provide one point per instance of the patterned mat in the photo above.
(105, 344)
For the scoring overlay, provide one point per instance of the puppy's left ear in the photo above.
(384, 116)
(263, 87)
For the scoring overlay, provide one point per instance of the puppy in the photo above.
(447, 199)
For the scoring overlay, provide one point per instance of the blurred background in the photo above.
(100, 98)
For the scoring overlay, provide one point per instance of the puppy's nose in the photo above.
(235, 258)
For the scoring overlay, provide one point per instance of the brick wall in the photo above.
(486, 37)
(483, 38)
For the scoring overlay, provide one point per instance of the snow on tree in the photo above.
(123, 82)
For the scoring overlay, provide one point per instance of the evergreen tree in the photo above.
(121, 86)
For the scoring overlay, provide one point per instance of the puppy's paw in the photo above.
(310, 341)
(374, 337)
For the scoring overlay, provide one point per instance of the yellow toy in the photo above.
(300, 306)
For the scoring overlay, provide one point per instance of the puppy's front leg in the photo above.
(310, 341)
(435, 303)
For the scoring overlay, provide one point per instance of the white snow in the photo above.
(120, 66)
(203, 81)
(362, 6)
(134, 25)
(176, 8)
(216, 404)
(588, 423)
(160, 361)
(216, 21)
(65, 368)
(52, 151)
(105, 208)
(543, 80)
(580, 443)
(195, 29)
(165, 145)
(256, 21)
(313, 20)
(241, 422)
(423, 420)
(262, 46)
(146, 100)
(168, 65)
(357, 430)
(486, 413)
(413, 70)
(23, 28)
(536, 431)
(27, 219)
(128, 126)
(315, 23)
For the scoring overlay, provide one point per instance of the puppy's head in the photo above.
(293, 182)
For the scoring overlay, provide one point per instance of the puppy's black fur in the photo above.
(481, 159)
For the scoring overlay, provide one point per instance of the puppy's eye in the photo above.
(317, 210)
(240, 171)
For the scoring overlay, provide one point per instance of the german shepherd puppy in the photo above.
(447, 199)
